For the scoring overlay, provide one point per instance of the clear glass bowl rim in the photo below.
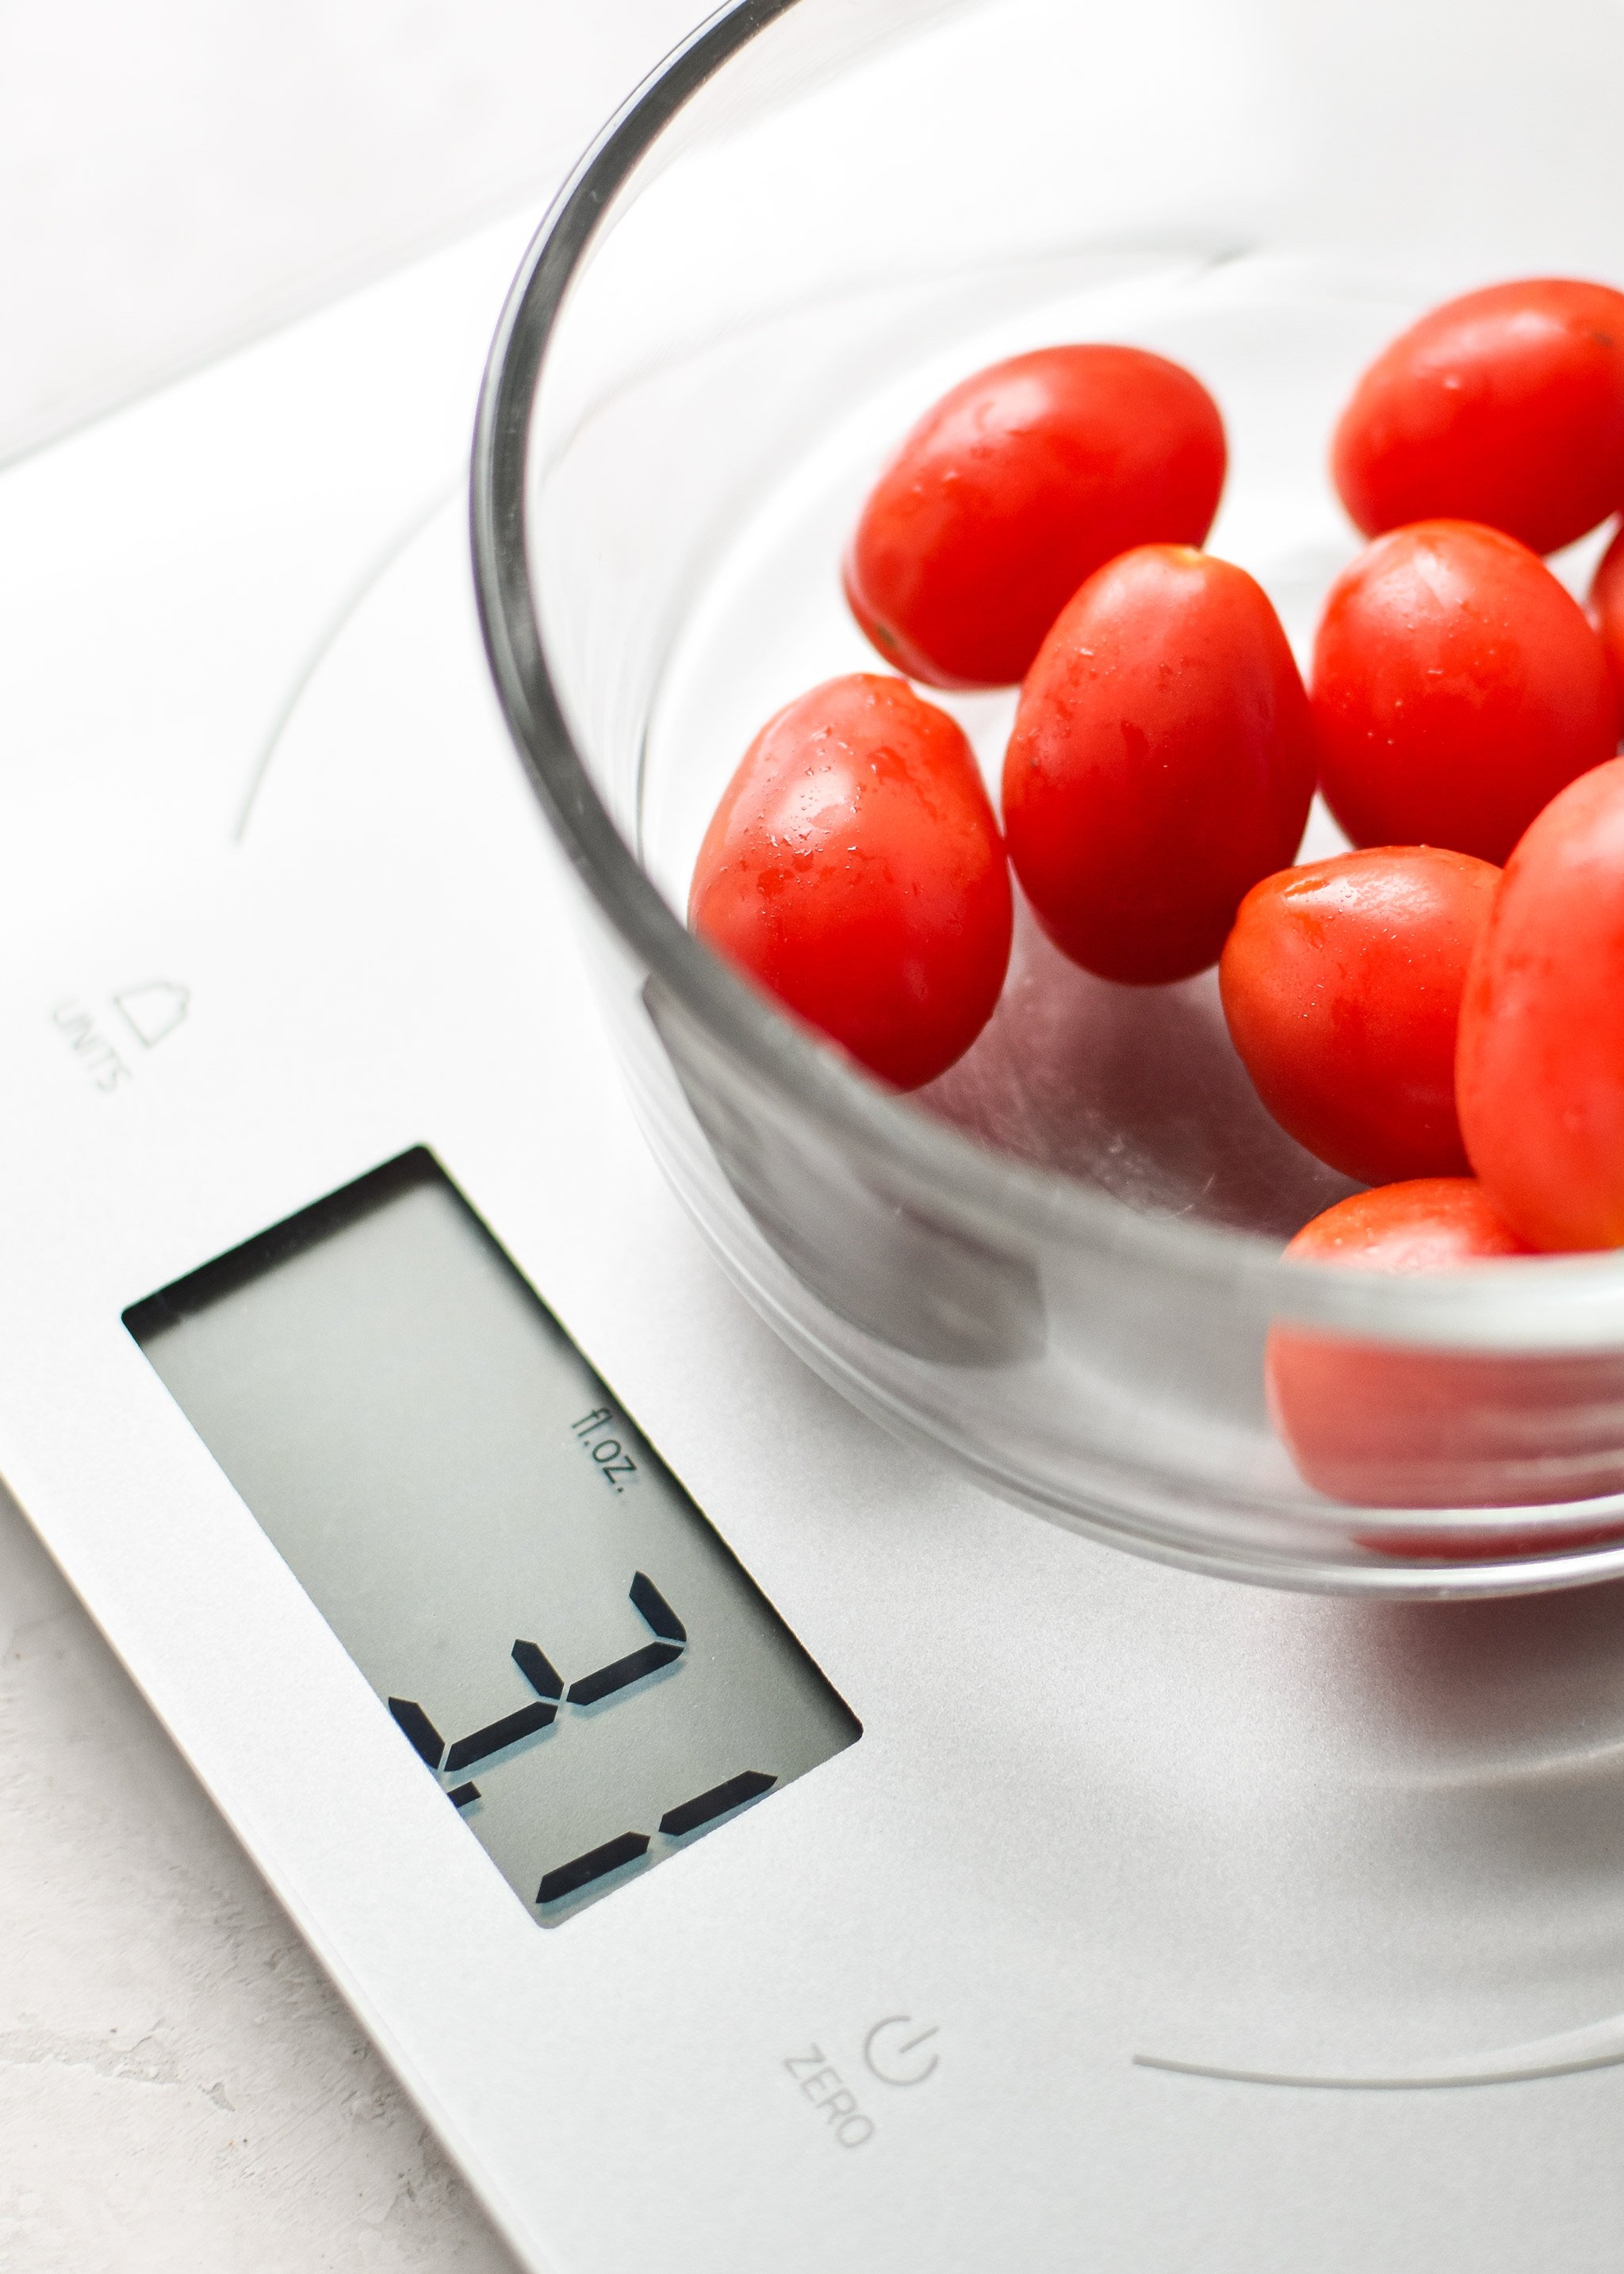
(1571, 1303)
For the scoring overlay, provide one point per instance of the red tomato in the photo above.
(1018, 485)
(854, 868)
(1540, 1071)
(1384, 1426)
(1342, 985)
(1425, 1223)
(1605, 608)
(1506, 406)
(1161, 763)
(1456, 688)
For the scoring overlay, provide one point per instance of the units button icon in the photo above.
(154, 1009)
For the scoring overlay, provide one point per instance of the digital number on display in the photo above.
(618, 1677)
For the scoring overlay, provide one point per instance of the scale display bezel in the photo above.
(436, 1462)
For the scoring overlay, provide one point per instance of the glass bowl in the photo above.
(1060, 1266)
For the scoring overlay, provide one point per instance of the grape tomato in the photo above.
(1381, 1425)
(1505, 406)
(1418, 1223)
(1342, 984)
(1540, 1070)
(1019, 484)
(1160, 764)
(854, 869)
(1456, 687)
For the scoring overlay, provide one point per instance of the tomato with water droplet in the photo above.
(1456, 687)
(1019, 483)
(1504, 406)
(853, 869)
(1342, 984)
(1161, 763)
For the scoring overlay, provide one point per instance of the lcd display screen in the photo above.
(561, 1635)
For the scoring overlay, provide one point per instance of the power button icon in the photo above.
(893, 2050)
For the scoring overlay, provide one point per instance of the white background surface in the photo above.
(177, 174)
(179, 2087)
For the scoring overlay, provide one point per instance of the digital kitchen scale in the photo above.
(751, 1846)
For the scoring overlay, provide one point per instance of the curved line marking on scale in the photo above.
(1598, 2045)
(337, 624)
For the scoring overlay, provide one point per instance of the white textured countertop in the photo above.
(179, 2087)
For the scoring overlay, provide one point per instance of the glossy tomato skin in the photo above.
(1418, 1223)
(1384, 1426)
(1605, 608)
(1342, 984)
(854, 869)
(1456, 687)
(1019, 484)
(1506, 406)
(1160, 764)
(1539, 1074)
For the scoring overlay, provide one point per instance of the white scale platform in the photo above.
(1151, 1922)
